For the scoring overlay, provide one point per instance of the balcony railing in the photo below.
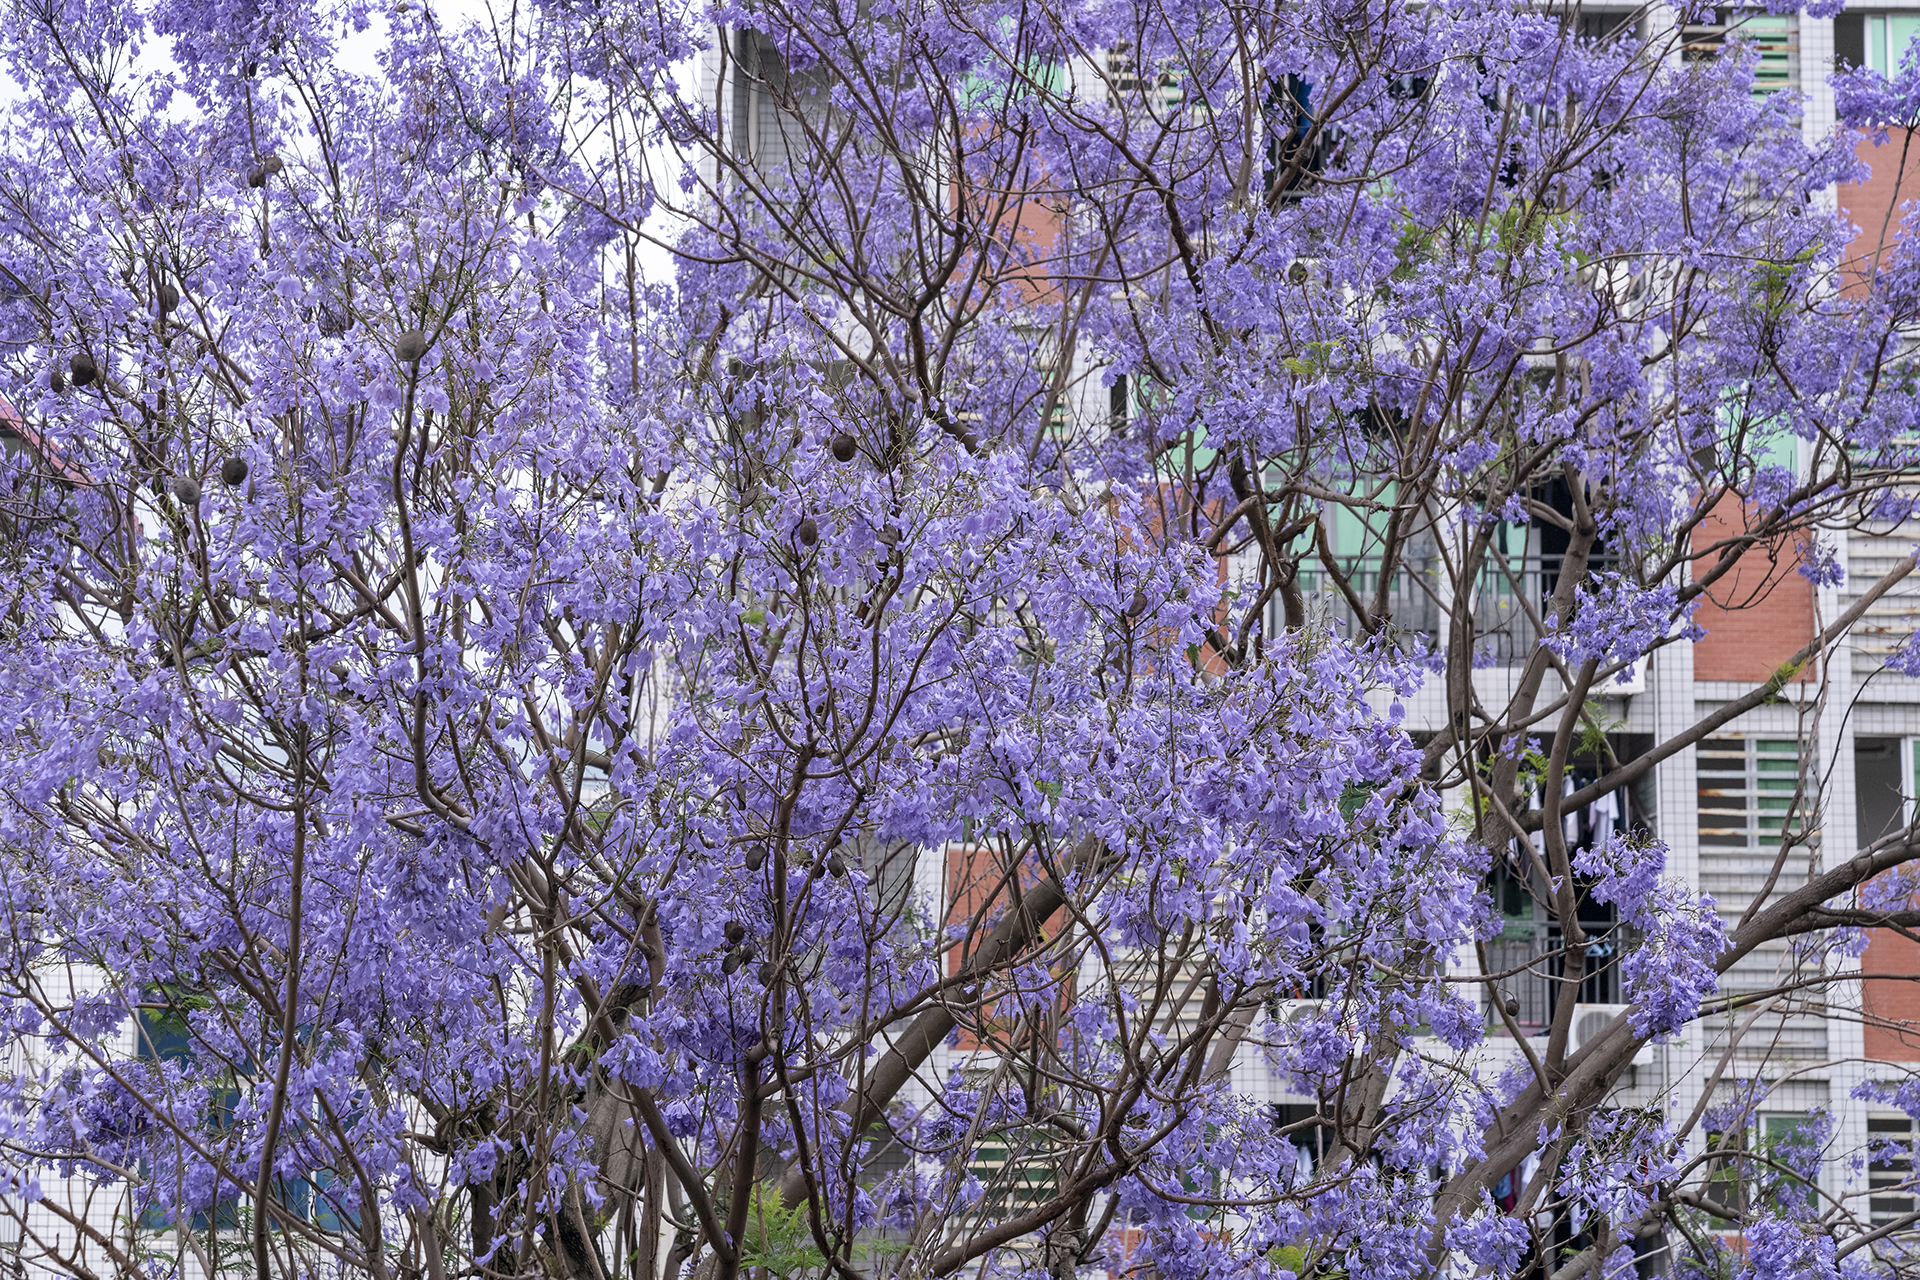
(1505, 605)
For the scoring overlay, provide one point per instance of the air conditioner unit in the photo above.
(1290, 1011)
(1589, 1020)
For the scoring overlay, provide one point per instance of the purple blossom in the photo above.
(1672, 966)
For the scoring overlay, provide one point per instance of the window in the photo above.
(1747, 793)
(1876, 41)
(163, 1035)
(1168, 993)
(1726, 1175)
(1776, 33)
(1788, 1141)
(1889, 1168)
(1049, 392)
(1015, 1169)
(1296, 152)
(1750, 1169)
(1128, 83)
(1605, 28)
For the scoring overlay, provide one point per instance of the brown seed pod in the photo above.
(165, 299)
(84, 369)
(733, 962)
(844, 446)
(735, 931)
(1297, 273)
(836, 866)
(1512, 1006)
(271, 165)
(808, 532)
(57, 379)
(233, 471)
(756, 856)
(256, 177)
(768, 971)
(1137, 605)
(410, 346)
(187, 489)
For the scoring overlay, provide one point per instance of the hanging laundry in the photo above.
(1605, 817)
(1569, 816)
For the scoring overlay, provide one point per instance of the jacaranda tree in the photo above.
(836, 758)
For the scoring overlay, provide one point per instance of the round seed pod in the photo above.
(1512, 1007)
(768, 972)
(733, 962)
(84, 369)
(836, 866)
(57, 379)
(1137, 605)
(233, 471)
(187, 489)
(271, 165)
(1297, 273)
(808, 532)
(735, 931)
(165, 299)
(256, 177)
(844, 447)
(410, 346)
(756, 856)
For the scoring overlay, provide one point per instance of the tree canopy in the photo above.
(895, 746)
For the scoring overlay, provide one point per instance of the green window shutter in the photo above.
(1778, 38)
(1745, 789)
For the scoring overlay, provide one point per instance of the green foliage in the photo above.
(1773, 282)
(778, 1239)
(1595, 725)
(1783, 675)
(1297, 1259)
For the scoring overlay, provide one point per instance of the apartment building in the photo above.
(1846, 731)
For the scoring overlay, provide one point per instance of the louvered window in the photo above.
(1747, 792)
(1776, 34)
(1890, 1168)
(1128, 82)
(1016, 1174)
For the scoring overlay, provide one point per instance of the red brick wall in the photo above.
(1892, 1004)
(1755, 617)
(1874, 205)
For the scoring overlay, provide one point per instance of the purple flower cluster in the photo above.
(1671, 967)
